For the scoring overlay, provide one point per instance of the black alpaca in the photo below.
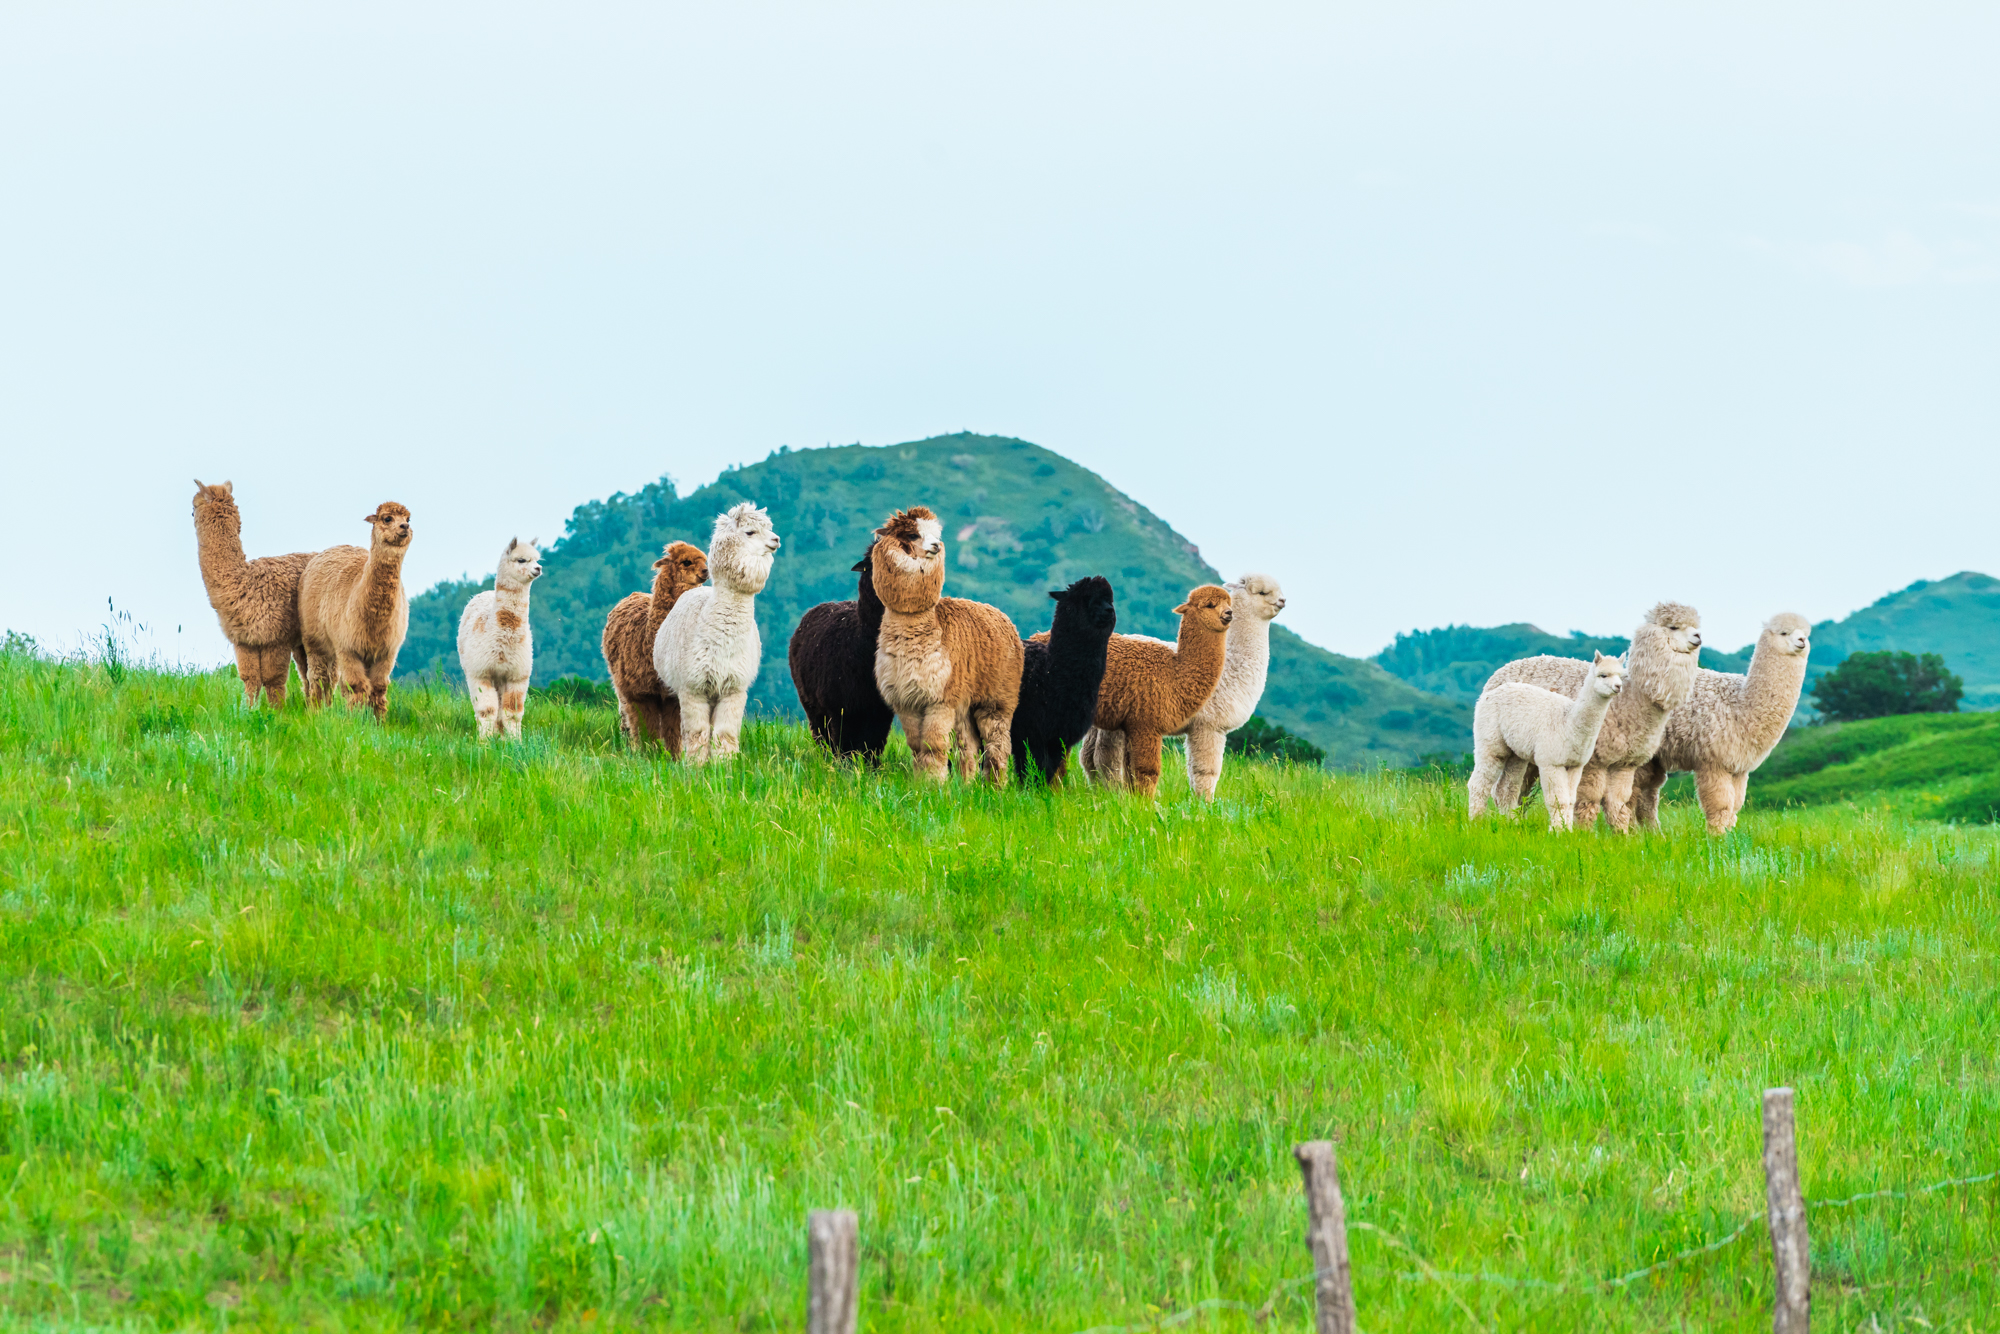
(1060, 678)
(832, 655)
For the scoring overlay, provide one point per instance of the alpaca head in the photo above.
(1607, 675)
(1207, 609)
(520, 564)
(1681, 622)
(1788, 633)
(391, 525)
(742, 548)
(1087, 604)
(683, 565)
(216, 505)
(1257, 595)
(908, 560)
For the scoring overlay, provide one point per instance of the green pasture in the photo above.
(310, 1023)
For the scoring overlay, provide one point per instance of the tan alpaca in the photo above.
(942, 663)
(649, 711)
(354, 613)
(1153, 689)
(257, 601)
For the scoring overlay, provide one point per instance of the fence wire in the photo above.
(1429, 1273)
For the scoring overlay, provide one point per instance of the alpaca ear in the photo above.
(370, 518)
(199, 485)
(661, 563)
(1182, 610)
(862, 564)
(1058, 594)
(229, 488)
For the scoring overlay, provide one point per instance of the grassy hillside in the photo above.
(1020, 520)
(1942, 765)
(1958, 617)
(314, 1024)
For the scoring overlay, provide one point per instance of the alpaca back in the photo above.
(628, 651)
(985, 653)
(1514, 718)
(255, 601)
(1146, 686)
(1636, 720)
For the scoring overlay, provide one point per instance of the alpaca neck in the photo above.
(868, 604)
(665, 594)
(731, 609)
(514, 598)
(381, 581)
(1583, 720)
(220, 551)
(1198, 661)
(1771, 691)
(1073, 644)
(1246, 658)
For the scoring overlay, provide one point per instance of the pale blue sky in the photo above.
(1438, 312)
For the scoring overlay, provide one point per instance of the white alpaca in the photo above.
(708, 649)
(495, 649)
(1246, 663)
(1515, 725)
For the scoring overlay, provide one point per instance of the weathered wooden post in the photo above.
(833, 1244)
(1791, 1311)
(1326, 1235)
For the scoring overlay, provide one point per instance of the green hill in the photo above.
(1943, 765)
(1958, 617)
(1455, 661)
(1019, 519)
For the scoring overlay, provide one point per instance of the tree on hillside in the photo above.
(1877, 685)
(1261, 739)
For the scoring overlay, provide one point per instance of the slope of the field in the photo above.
(310, 1023)
(1020, 520)
(1957, 617)
(1943, 765)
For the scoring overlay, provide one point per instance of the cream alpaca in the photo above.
(1516, 725)
(495, 647)
(708, 648)
(1659, 673)
(1256, 600)
(1729, 725)
(646, 707)
(942, 664)
(257, 601)
(1152, 689)
(354, 613)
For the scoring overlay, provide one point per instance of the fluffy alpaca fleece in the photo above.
(1061, 674)
(354, 613)
(1516, 725)
(257, 601)
(708, 649)
(832, 657)
(1659, 673)
(942, 664)
(495, 647)
(1152, 690)
(1729, 725)
(650, 713)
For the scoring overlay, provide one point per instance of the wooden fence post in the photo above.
(1791, 1311)
(1326, 1235)
(833, 1245)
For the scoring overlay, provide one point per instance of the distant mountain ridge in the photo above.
(1020, 520)
(1456, 661)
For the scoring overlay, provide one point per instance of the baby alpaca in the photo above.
(708, 649)
(354, 613)
(1729, 726)
(1061, 674)
(1152, 689)
(832, 657)
(942, 664)
(495, 649)
(1515, 725)
(1659, 673)
(650, 713)
(257, 601)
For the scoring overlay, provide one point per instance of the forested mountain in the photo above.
(1456, 660)
(1019, 519)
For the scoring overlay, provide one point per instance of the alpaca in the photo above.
(707, 649)
(1061, 673)
(354, 613)
(1516, 725)
(942, 663)
(1659, 673)
(496, 649)
(832, 656)
(1246, 662)
(647, 709)
(1729, 725)
(257, 601)
(1152, 690)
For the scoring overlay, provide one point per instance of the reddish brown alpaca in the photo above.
(1151, 690)
(257, 601)
(354, 613)
(651, 714)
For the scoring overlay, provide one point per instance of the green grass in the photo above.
(314, 1023)
(1936, 765)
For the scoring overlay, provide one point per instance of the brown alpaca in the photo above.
(1152, 690)
(354, 612)
(942, 663)
(257, 601)
(648, 709)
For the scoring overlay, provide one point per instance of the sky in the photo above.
(1440, 313)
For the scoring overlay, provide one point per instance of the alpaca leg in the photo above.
(485, 706)
(352, 676)
(1652, 776)
(996, 743)
(966, 731)
(378, 689)
(513, 703)
(1142, 757)
(1086, 753)
(1589, 795)
(696, 715)
(1204, 757)
(725, 735)
(249, 670)
(1717, 790)
(1553, 792)
(670, 724)
(1525, 785)
(1112, 747)
(929, 735)
(274, 668)
(1514, 771)
(1480, 788)
(1618, 798)
(1742, 795)
(628, 717)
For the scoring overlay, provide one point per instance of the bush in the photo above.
(578, 690)
(1881, 685)
(1261, 739)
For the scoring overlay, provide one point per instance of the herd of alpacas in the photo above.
(1598, 736)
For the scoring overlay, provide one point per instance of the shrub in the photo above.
(1261, 739)
(578, 690)
(1880, 685)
